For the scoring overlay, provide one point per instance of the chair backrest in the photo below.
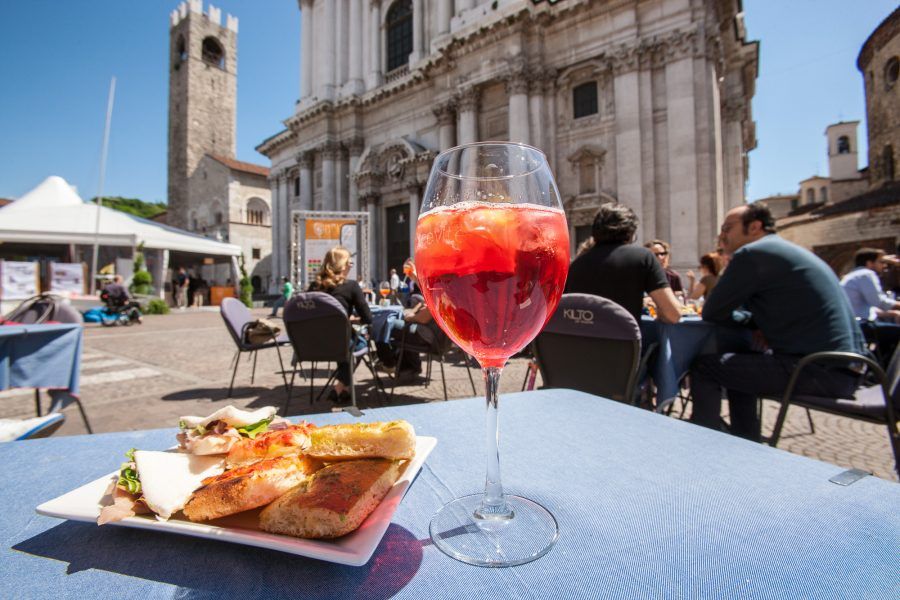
(235, 315)
(42, 308)
(590, 344)
(893, 378)
(318, 327)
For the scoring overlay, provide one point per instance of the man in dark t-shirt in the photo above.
(795, 301)
(619, 271)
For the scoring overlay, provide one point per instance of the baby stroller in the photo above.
(119, 310)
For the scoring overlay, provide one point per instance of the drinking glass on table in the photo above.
(492, 254)
(384, 288)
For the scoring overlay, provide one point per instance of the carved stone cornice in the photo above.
(517, 83)
(468, 99)
(355, 145)
(681, 44)
(625, 59)
(733, 110)
(306, 159)
(368, 184)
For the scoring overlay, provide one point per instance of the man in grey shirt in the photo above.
(869, 302)
(794, 300)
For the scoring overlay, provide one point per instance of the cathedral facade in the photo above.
(644, 102)
(209, 192)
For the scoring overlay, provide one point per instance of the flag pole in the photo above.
(109, 108)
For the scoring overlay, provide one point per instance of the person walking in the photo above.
(287, 290)
(182, 281)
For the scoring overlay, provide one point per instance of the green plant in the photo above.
(142, 281)
(157, 306)
(245, 285)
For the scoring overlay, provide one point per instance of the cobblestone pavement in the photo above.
(147, 376)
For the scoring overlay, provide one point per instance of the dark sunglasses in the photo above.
(661, 253)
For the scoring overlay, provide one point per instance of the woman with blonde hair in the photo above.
(332, 279)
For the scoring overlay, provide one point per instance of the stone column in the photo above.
(733, 151)
(283, 226)
(445, 13)
(375, 72)
(418, 32)
(306, 48)
(372, 207)
(340, 178)
(327, 63)
(682, 159)
(446, 118)
(340, 45)
(355, 73)
(628, 130)
(536, 114)
(355, 147)
(550, 123)
(306, 159)
(517, 88)
(413, 189)
(467, 127)
(276, 234)
(329, 151)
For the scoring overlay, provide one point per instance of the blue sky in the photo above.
(58, 57)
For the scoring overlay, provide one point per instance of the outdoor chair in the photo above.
(237, 319)
(319, 331)
(877, 403)
(593, 345)
(439, 346)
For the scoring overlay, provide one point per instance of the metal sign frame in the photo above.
(298, 241)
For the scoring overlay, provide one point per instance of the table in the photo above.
(648, 506)
(40, 356)
(680, 343)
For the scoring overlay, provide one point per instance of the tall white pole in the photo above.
(109, 107)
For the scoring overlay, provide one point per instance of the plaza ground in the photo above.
(147, 376)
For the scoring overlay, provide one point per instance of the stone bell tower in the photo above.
(202, 99)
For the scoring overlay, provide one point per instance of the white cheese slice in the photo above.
(169, 478)
(231, 415)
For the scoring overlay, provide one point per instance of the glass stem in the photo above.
(494, 505)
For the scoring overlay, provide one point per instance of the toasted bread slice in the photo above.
(394, 440)
(290, 441)
(249, 487)
(334, 501)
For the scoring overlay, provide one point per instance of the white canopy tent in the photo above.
(52, 213)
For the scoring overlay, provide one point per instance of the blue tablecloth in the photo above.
(383, 318)
(679, 344)
(648, 507)
(40, 356)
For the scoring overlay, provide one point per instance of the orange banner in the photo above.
(318, 229)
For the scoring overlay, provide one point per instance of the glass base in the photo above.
(500, 541)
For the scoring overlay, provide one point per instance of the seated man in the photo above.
(794, 299)
(116, 291)
(619, 271)
(863, 288)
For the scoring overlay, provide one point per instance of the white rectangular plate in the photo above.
(354, 549)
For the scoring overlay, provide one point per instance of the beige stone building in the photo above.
(209, 191)
(642, 101)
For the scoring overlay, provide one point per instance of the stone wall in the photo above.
(882, 99)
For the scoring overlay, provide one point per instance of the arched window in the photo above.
(891, 71)
(584, 100)
(843, 145)
(257, 212)
(823, 194)
(399, 34)
(181, 54)
(810, 196)
(219, 218)
(213, 53)
(887, 158)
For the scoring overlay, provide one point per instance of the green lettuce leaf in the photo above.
(128, 475)
(251, 431)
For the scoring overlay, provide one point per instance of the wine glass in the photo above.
(384, 288)
(492, 254)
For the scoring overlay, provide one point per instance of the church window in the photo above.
(296, 186)
(219, 218)
(255, 253)
(887, 158)
(399, 34)
(212, 52)
(843, 145)
(584, 100)
(823, 194)
(257, 212)
(180, 52)
(810, 196)
(586, 176)
(891, 71)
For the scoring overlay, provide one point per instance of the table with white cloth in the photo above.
(648, 507)
(680, 344)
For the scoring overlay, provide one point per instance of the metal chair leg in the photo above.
(253, 373)
(472, 381)
(83, 415)
(444, 377)
(812, 428)
(37, 401)
(290, 391)
(312, 377)
(281, 364)
(234, 372)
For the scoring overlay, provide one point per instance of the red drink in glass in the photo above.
(492, 273)
(384, 293)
